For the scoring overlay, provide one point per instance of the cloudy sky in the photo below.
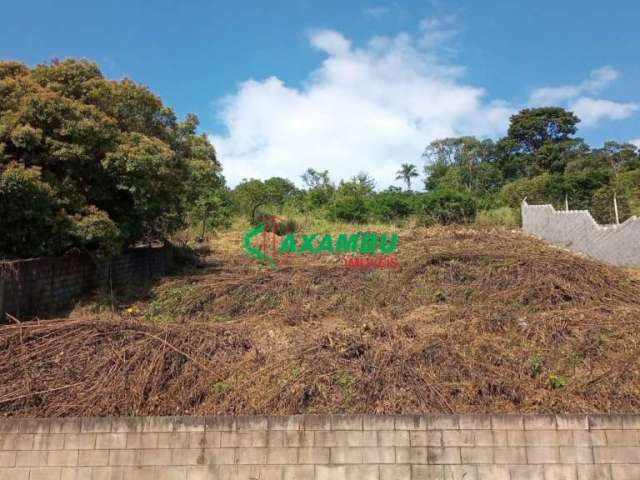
(352, 86)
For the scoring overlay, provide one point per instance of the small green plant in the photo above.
(534, 364)
(346, 382)
(221, 388)
(556, 381)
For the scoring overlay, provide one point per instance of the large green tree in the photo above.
(541, 159)
(116, 163)
(251, 194)
(539, 140)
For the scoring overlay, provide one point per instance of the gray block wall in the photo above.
(323, 447)
(576, 230)
(44, 286)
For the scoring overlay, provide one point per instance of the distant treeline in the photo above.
(540, 159)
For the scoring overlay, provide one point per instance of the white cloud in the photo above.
(363, 109)
(579, 98)
(635, 142)
(591, 110)
(438, 31)
(598, 79)
(372, 107)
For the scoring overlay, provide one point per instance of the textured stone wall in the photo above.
(576, 230)
(332, 447)
(41, 286)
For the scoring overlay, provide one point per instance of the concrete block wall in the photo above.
(41, 286)
(323, 447)
(576, 230)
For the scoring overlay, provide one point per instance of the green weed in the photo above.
(556, 381)
(346, 383)
(534, 364)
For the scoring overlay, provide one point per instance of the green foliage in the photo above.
(116, 159)
(346, 384)
(556, 382)
(387, 206)
(280, 190)
(629, 184)
(143, 169)
(320, 191)
(446, 207)
(506, 216)
(313, 178)
(351, 209)
(31, 220)
(352, 198)
(602, 205)
(319, 197)
(539, 140)
(532, 128)
(220, 389)
(169, 301)
(534, 189)
(251, 194)
(539, 160)
(406, 173)
(94, 230)
(208, 202)
(534, 364)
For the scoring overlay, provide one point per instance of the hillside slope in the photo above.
(473, 321)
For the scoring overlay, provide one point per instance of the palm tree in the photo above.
(407, 172)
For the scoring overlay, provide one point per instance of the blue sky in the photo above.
(350, 85)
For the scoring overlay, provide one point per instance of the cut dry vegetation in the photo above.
(474, 320)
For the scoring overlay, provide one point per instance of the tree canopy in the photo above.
(540, 158)
(109, 163)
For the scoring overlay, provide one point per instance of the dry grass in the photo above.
(475, 320)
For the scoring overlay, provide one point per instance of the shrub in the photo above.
(386, 206)
(535, 189)
(96, 231)
(350, 209)
(499, 216)
(446, 207)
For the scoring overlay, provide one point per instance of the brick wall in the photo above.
(42, 286)
(332, 447)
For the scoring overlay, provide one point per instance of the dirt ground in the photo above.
(473, 320)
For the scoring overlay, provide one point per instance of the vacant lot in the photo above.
(474, 320)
